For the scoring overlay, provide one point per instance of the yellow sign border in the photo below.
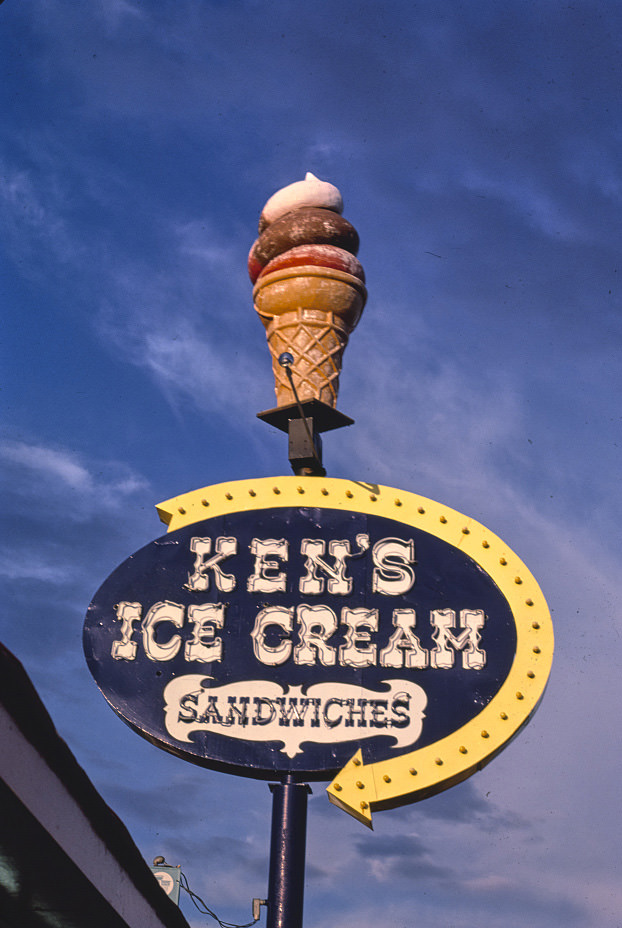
(361, 788)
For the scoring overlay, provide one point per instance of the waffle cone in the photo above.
(317, 341)
(309, 312)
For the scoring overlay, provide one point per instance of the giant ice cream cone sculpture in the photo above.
(309, 286)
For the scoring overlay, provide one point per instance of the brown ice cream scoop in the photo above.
(301, 227)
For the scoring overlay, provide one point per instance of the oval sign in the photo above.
(283, 625)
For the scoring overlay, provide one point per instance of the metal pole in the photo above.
(286, 881)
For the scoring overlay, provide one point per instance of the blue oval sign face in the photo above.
(273, 640)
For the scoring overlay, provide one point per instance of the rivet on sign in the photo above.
(421, 510)
(181, 511)
(300, 489)
(519, 696)
(398, 502)
(536, 649)
(503, 561)
(356, 762)
(485, 734)
(386, 778)
(412, 772)
(276, 490)
(443, 519)
(252, 493)
(204, 502)
(324, 491)
(349, 494)
(466, 531)
(530, 674)
(518, 580)
(360, 784)
(439, 761)
(485, 544)
(504, 716)
(529, 602)
(228, 496)
(535, 625)
(373, 497)
(462, 749)
(364, 805)
(338, 787)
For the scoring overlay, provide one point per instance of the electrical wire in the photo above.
(183, 882)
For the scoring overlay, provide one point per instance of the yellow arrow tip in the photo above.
(353, 790)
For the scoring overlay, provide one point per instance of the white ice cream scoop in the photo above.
(303, 193)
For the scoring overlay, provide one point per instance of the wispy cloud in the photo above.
(56, 504)
(538, 207)
(31, 213)
(33, 567)
(399, 857)
(186, 327)
(56, 465)
(39, 471)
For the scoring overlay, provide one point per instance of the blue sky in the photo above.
(477, 148)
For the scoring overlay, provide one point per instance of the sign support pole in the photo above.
(286, 880)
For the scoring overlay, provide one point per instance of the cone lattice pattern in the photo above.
(317, 345)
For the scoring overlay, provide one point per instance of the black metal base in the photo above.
(305, 448)
(324, 417)
(305, 442)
